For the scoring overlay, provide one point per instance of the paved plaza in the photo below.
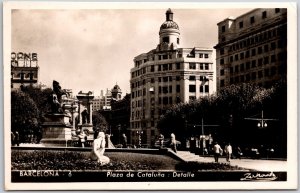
(256, 164)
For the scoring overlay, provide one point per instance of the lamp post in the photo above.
(139, 133)
(262, 123)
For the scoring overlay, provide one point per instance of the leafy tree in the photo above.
(24, 114)
(99, 123)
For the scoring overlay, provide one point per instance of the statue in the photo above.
(85, 116)
(55, 98)
(57, 90)
(98, 150)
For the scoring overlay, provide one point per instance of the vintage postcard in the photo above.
(150, 96)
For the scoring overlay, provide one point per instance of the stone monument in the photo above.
(85, 112)
(58, 123)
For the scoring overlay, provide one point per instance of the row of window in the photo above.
(23, 76)
(253, 52)
(256, 63)
(166, 79)
(168, 67)
(202, 88)
(267, 72)
(252, 19)
(260, 38)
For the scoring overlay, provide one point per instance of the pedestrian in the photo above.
(12, 137)
(124, 141)
(161, 140)
(173, 143)
(17, 138)
(239, 152)
(217, 151)
(228, 151)
(82, 138)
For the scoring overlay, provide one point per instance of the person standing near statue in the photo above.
(124, 141)
(98, 150)
(228, 151)
(161, 140)
(173, 143)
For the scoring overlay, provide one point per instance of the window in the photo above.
(170, 66)
(259, 50)
(200, 55)
(253, 76)
(177, 40)
(221, 51)
(260, 74)
(273, 58)
(165, 100)
(170, 89)
(252, 19)
(266, 60)
(222, 83)
(205, 55)
(177, 66)
(236, 57)
(159, 79)
(222, 72)
(206, 88)
(247, 77)
(247, 54)
(260, 61)
(165, 79)
(223, 28)
(170, 100)
(231, 70)
(242, 55)
(177, 78)
(253, 64)
(253, 52)
(152, 68)
(236, 68)
(192, 88)
(177, 88)
(159, 89)
(242, 78)
(201, 88)
(277, 10)
(264, 14)
(273, 71)
(152, 80)
(241, 24)
(206, 66)
(266, 48)
(166, 39)
(267, 72)
(165, 89)
(192, 66)
(231, 58)
(242, 67)
(170, 78)
(159, 67)
(192, 78)
(165, 67)
(273, 45)
(165, 57)
(222, 61)
(223, 39)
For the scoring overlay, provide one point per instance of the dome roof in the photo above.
(169, 25)
(116, 87)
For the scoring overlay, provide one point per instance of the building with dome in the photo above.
(164, 76)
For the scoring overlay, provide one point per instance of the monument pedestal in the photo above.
(57, 130)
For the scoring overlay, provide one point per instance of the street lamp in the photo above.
(139, 133)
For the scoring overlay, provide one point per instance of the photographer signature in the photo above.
(259, 176)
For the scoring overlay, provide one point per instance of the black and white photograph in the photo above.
(150, 96)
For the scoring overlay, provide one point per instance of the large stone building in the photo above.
(165, 76)
(252, 48)
(24, 69)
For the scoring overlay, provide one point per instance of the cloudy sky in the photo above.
(92, 50)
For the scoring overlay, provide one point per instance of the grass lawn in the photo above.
(74, 160)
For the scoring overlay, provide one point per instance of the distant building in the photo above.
(24, 70)
(252, 48)
(102, 102)
(165, 76)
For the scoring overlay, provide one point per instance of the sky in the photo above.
(93, 49)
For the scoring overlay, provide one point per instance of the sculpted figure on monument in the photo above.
(85, 116)
(98, 150)
(57, 90)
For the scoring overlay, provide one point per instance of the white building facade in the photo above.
(165, 76)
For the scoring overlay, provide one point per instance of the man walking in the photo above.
(217, 151)
(228, 151)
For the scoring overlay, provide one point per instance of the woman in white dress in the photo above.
(98, 150)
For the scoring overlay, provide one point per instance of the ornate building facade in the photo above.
(165, 76)
(252, 48)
